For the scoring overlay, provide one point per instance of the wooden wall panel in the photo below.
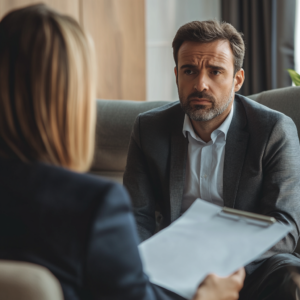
(69, 7)
(118, 30)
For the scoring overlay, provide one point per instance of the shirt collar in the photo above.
(224, 127)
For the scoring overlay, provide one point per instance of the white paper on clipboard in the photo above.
(201, 242)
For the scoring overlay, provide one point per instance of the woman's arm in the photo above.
(114, 268)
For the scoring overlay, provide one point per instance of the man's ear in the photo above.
(239, 78)
(176, 74)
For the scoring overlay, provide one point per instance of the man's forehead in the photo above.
(217, 51)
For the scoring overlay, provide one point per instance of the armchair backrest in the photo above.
(115, 119)
(27, 281)
(285, 100)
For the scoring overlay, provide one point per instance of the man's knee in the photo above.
(277, 277)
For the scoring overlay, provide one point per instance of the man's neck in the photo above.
(204, 129)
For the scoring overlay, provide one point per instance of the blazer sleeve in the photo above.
(138, 183)
(281, 185)
(114, 269)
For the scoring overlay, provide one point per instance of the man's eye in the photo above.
(216, 72)
(188, 72)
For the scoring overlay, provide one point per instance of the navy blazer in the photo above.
(78, 226)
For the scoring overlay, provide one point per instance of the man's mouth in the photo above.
(200, 101)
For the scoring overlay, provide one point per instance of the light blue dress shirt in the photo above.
(205, 164)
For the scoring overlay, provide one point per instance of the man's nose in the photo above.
(201, 82)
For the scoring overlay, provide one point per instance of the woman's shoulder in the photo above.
(60, 183)
(92, 185)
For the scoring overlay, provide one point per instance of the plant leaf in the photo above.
(295, 77)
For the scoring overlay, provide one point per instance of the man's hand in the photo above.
(221, 288)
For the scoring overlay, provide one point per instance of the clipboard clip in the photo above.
(252, 218)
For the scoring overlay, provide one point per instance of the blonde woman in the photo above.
(78, 226)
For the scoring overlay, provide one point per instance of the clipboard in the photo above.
(252, 218)
(207, 239)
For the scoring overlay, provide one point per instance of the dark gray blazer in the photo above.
(261, 166)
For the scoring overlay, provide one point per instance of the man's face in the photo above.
(205, 79)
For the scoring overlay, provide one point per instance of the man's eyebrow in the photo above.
(215, 67)
(188, 66)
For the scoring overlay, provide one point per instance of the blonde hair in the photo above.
(47, 89)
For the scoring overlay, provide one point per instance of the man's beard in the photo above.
(199, 112)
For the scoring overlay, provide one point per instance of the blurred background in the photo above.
(133, 40)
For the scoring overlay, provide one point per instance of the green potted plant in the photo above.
(295, 77)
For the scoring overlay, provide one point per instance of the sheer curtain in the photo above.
(163, 18)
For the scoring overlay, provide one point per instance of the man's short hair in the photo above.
(210, 31)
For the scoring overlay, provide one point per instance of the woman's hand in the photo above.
(221, 288)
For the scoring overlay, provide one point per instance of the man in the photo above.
(218, 146)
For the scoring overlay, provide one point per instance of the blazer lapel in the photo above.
(179, 146)
(235, 151)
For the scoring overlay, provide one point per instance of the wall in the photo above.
(118, 30)
(163, 18)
